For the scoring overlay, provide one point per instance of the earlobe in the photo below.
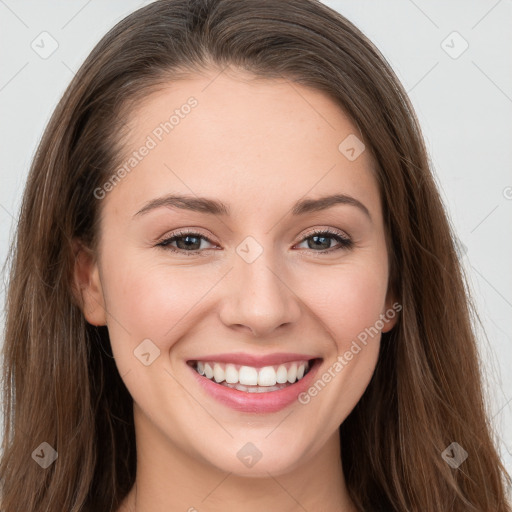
(87, 288)
(391, 313)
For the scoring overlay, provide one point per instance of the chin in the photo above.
(260, 456)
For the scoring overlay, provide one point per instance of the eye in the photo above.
(187, 242)
(321, 239)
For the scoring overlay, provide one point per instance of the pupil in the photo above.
(186, 243)
(326, 244)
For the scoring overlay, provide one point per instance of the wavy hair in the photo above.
(61, 384)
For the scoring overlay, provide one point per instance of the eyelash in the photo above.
(343, 241)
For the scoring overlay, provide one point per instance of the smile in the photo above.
(254, 384)
(251, 379)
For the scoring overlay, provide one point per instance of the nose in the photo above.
(258, 298)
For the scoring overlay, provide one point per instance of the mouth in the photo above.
(251, 379)
(255, 386)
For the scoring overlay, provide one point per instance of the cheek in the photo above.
(163, 303)
(347, 300)
(152, 301)
(348, 303)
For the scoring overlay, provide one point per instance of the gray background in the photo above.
(463, 100)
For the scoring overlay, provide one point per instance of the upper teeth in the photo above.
(250, 376)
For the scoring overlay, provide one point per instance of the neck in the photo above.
(170, 479)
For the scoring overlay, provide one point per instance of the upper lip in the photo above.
(254, 360)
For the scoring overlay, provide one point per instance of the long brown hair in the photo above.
(61, 385)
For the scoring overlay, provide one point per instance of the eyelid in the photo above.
(325, 230)
(345, 241)
(307, 234)
(182, 233)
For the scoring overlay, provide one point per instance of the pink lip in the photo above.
(254, 360)
(270, 401)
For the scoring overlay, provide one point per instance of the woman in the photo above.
(234, 284)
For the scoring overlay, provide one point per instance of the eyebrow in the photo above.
(214, 207)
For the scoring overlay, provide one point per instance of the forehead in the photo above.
(245, 141)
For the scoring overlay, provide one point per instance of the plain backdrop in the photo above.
(453, 58)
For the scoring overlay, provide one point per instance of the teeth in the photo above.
(253, 389)
(218, 373)
(267, 376)
(253, 380)
(248, 376)
(231, 374)
(208, 371)
(282, 375)
(292, 373)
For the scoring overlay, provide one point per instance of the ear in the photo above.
(391, 313)
(87, 285)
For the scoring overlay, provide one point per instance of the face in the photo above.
(244, 313)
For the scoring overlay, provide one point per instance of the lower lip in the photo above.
(272, 401)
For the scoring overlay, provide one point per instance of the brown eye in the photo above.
(321, 241)
(186, 242)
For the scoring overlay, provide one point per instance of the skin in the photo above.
(258, 146)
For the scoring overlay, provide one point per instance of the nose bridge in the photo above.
(258, 297)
